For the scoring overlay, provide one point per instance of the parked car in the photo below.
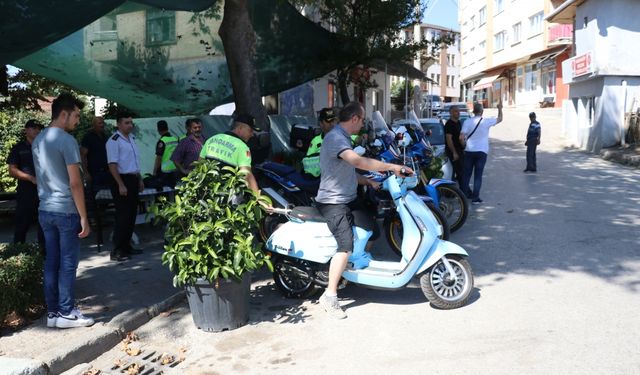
(445, 115)
(431, 102)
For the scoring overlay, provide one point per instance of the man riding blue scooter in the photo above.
(338, 191)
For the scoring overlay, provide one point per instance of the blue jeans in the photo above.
(473, 163)
(61, 262)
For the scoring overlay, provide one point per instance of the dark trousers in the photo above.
(458, 168)
(126, 210)
(473, 163)
(26, 215)
(531, 155)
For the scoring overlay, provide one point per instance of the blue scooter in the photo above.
(302, 248)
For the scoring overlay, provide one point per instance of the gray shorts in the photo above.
(340, 222)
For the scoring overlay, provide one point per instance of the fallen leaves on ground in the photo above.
(92, 371)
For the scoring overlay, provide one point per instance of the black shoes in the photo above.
(530, 170)
(118, 257)
(476, 201)
(133, 251)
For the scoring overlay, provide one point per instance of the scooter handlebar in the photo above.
(279, 211)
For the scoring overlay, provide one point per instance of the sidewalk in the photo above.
(119, 296)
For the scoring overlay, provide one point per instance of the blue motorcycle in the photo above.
(302, 248)
(401, 146)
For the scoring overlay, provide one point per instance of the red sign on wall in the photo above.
(581, 65)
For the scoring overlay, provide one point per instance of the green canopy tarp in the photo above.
(160, 57)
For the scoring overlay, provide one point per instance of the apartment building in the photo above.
(510, 52)
(603, 72)
(443, 71)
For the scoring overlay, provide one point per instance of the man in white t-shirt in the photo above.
(475, 136)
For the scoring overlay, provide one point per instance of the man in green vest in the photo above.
(231, 147)
(164, 169)
(327, 119)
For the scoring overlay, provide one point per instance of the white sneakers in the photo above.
(51, 319)
(71, 320)
(331, 306)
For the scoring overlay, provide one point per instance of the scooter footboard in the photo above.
(442, 248)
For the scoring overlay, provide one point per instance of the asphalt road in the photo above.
(556, 257)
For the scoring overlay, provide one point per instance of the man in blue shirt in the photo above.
(533, 140)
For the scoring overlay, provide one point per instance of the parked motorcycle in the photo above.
(302, 248)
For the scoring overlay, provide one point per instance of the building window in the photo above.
(438, 78)
(535, 24)
(549, 82)
(531, 77)
(482, 16)
(473, 22)
(498, 5)
(498, 41)
(516, 32)
(161, 27)
(520, 79)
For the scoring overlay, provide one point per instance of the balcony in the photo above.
(560, 34)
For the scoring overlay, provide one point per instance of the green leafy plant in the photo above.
(434, 169)
(207, 235)
(21, 285)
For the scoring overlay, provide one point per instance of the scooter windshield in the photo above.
(380, 127)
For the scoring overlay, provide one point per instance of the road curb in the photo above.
(86, 349)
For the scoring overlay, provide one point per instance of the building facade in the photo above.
(443, 71)
(603, 73)
(510, 52)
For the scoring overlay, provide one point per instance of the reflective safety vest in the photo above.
(311, 162)
(227, 148)
(170, 144)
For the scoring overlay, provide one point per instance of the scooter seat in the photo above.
(307, 213)
(280, 169)
(311, 186)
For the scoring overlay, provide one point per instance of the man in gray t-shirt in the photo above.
(338, 191)
(62, 212)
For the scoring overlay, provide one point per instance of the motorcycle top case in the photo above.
(301, 136)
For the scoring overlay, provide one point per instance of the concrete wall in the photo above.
(611, 28)
(594, 116)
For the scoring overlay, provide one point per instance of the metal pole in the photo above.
(406, 94)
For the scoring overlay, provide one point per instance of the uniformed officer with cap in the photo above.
(124, 165)
(164, 168)
(327, 118)
(533, 140)
(21, 167)
(231, 147)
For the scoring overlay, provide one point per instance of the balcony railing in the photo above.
(561, 34)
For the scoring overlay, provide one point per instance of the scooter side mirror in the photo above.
(359, 150)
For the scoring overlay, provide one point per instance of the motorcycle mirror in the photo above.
(359, 150)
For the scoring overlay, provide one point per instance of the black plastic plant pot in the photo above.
(219, 306)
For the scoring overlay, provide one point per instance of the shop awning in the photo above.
(486, 82)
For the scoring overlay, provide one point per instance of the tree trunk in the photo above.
(4, 81)
(343, 82)
(239, 42)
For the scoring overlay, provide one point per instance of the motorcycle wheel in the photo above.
(393, 228)
(454, 205)
(269, 224)
(441, 290)
(293, 278)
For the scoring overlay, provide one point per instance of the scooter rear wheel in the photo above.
(453, 205)
(293, 278)
(441, 289)
(393, 228)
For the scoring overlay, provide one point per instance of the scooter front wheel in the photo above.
(442, 289)
(293, 277)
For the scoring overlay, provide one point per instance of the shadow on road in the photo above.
(577, 214)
